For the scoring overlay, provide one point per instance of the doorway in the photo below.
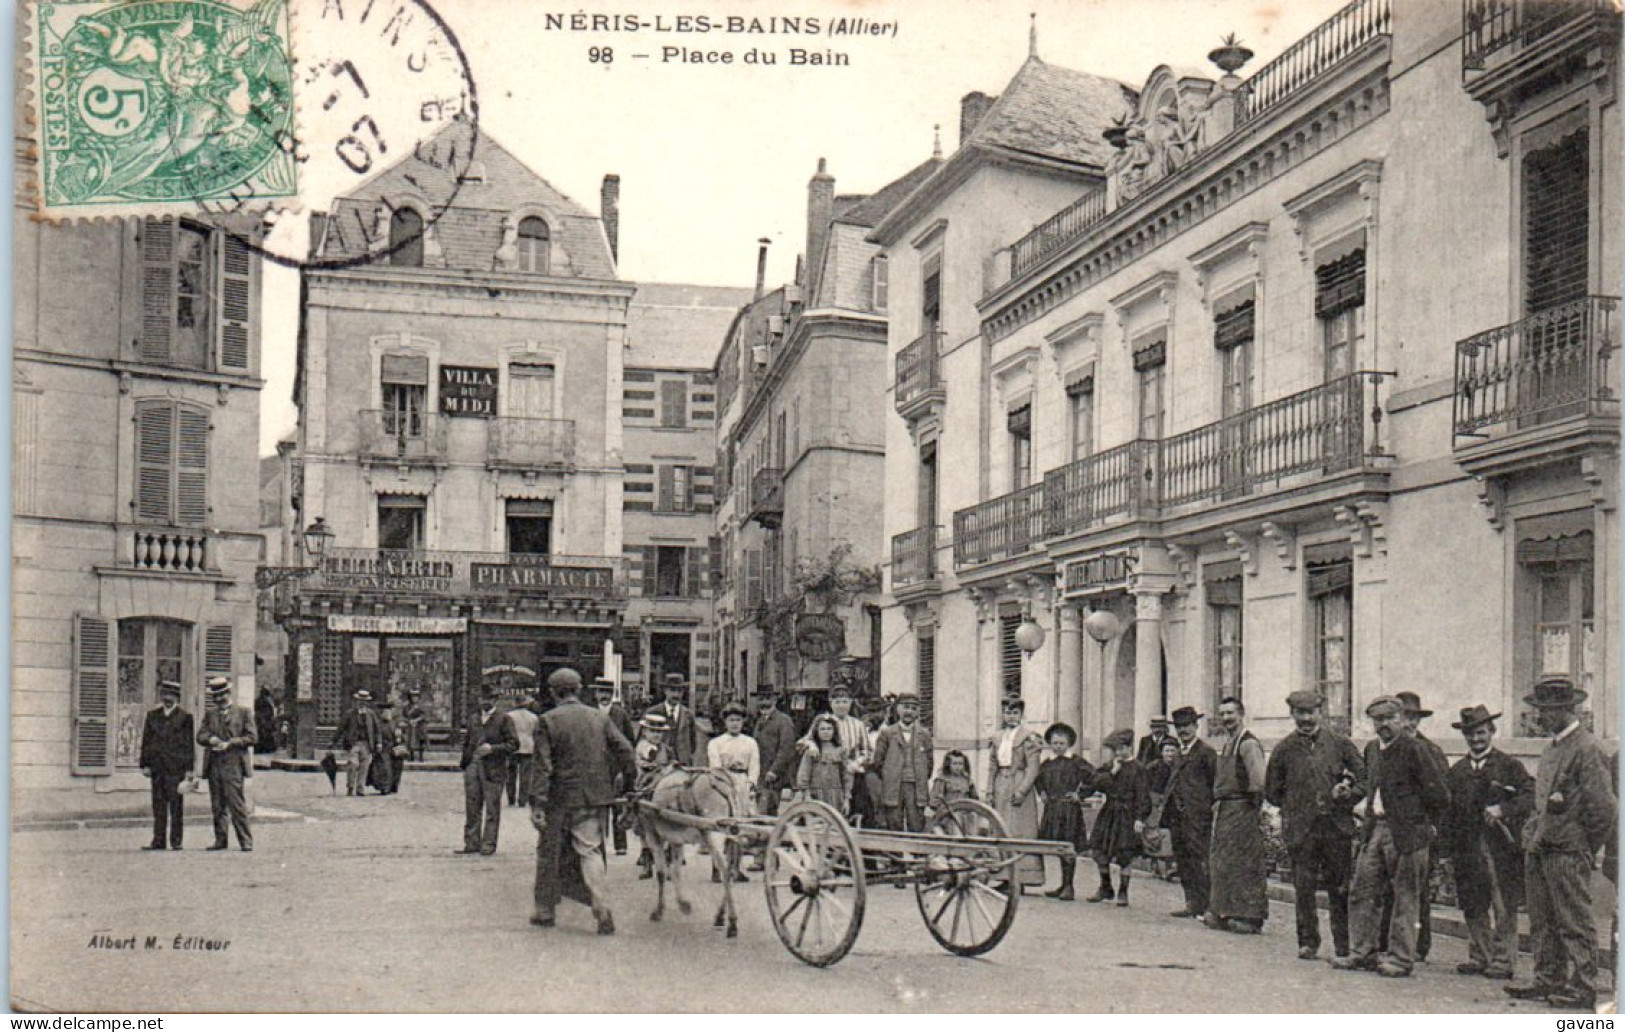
(668, 654)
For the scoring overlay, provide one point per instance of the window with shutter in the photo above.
(666, 490)
(92, 694)
(1010, 653)
(925, 669)
(157, 249)
(1556, 222)
(191, 467)
(693, 573)
(236, 304)
(882, 283)
(714, 566)
(217, 651)
(674, 403)
(753, 577)
(172, 464)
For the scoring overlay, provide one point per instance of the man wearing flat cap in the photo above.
(1407, 798)
(1188, 811)
(1315, 777)
(227, 734)
(1490, 794)
(166, 758)
(1574, 817)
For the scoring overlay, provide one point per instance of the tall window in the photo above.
(149, 653)
(926, 503)
(529, 526)
(1233, 337)
(405, 394)
(1150, 368)
(925, 675)
(172, 464)
(1556, 221)
(535, 245)
(670, 561)
(400, 522)
(1222, 586)
(1009, 653)
(674, 403)
(1340, 309)
(1080, 399)
(197, 297)
(881, 269)
(194, 327)
(931, 295)
(530, 390)
(1019, 424)
(675, 489)
(1556, 575)
(1331, 593)
(405, 238)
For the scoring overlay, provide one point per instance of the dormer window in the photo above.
(535, 242)
(406, 238)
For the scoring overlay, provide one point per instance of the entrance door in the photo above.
(149, 652)
(423, 665)
(668, 654)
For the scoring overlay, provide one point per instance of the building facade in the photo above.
(669, 429)
(460, 432)
(1309, 387)
(135, 530)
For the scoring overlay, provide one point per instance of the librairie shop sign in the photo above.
(468, 391)
(558, 581)
(387, 572)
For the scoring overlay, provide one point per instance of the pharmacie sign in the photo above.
(468, 391)
(542, 579)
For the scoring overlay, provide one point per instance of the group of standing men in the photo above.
(168, 756)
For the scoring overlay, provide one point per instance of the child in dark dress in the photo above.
(1118, 829)
(1063, 781)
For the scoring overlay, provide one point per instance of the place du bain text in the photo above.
(183, 943)
(640, 27)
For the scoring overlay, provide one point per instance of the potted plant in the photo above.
(1231, 55)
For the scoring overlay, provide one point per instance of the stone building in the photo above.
(1307, 382)
(460, 432)
(802, 388)
(135, 532)
(669, 431)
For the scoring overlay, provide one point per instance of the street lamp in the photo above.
(317, 537)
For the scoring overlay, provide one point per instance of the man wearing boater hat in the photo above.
(1490, 794)
(227, 734)
(1574, 818)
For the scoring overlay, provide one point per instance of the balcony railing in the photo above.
(1492, 26)
(1007, 526)
(513, 442)
(408, 437)
(918, 372)
(1553, 365)
(170, 549)
(1306, 60)
(1055, 232)
(1321, 429)
(767, 496)
(507, 575)
(914, 556)
(1121, 480)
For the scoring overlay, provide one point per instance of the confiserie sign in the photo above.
(577, 581)
(468, 391)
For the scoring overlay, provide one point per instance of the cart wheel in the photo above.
(966, 899)
(814, 882)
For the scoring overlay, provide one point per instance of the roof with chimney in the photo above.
(495, 186)
(677, 325)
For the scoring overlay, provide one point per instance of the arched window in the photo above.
(534, 243)
(406, 238)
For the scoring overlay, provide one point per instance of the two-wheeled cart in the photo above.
(817, 870)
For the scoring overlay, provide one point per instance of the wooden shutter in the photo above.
(217, 651)
(236, 302)
(666, 491)
(674, 403)
(753, 576)
(1556, 222)
(1010, 653)
(191, 467)
(926, 677)
(157, 251)
(714, 566)
(92, 695)
(155, 462)
(694, 569)
(651, 571)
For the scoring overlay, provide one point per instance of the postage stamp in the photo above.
(143, 106)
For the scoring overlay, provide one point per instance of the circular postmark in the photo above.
(381, 132)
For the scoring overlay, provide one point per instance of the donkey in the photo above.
(705, 794)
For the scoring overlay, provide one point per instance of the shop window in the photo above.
(400, 522)
(1331, 594)
(529, 526)
(406, 238)
(149, 653)
(535, 245)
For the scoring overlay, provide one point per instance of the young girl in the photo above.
(1116, 836)
(1159, 847)
(1063, 781)
(824, 773)
(953, 781)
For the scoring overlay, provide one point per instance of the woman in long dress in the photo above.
(1017, 753)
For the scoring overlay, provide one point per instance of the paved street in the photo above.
(363, 906)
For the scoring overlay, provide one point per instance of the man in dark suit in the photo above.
(684, 737)
(1188, 812)
(1150, 748)
(603, 690)
(1490, 794)
(227, 734)
(1316, 776)
(489, 742)
(166, 758)
(1408, 798)
(1412, 714)
(775, 735)
(580, 754)
(903, 758)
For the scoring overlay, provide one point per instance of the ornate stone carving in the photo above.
(1284, 540)
(507, 256)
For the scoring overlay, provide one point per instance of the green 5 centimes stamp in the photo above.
(154, 105)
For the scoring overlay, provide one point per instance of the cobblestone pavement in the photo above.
(363, 906)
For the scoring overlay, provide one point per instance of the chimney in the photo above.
(609, 208)
(820, 209)
(761, 266)
(972, 108)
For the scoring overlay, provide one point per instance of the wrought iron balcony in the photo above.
(514, 442)
(1554, 365)
(767, 497)
(410, 438)
(919, 375)
(1007, 526)
(1057, 231)
(1498, 31)
(914, 556)
(1117, 481)
(1334, 39)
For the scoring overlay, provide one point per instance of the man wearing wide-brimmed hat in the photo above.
(227, 734)
(683, 736)
(1411, 715)
(1575, 815)
(1490, 794)
(1316, 776)
(166, 758)
(1188, 812)
(360, 735)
